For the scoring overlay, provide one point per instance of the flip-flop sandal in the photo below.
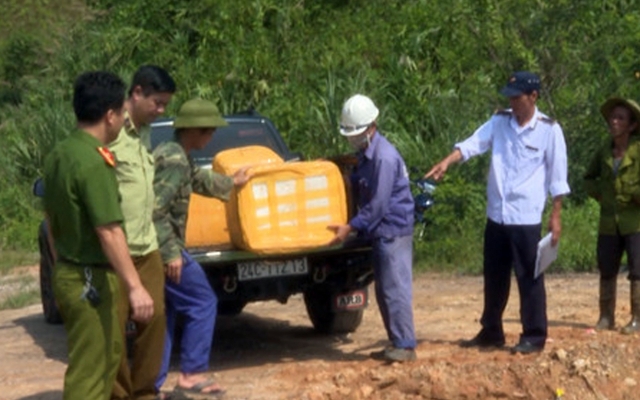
(198, 388)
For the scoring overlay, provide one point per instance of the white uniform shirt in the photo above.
(527, 162)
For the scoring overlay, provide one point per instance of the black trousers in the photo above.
(610, 249)
(507, 246)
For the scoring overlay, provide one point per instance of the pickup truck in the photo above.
(333, 279)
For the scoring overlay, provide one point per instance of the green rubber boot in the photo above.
(634, 325)
(607, 304)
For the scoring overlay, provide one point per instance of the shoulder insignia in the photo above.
(107, 155)
(129, 127)
(547, 120)
(502, 111)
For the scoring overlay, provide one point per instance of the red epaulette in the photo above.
(108, 156)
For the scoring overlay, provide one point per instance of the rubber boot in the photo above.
(634, 325)
(607, 304)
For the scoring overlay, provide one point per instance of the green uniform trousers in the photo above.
(137, 381)
(94, 338)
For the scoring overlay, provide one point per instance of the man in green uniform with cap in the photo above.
(187, 290)
(612, 180)
(83, 209)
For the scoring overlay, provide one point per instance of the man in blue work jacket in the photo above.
(385, 214)
(528, 163)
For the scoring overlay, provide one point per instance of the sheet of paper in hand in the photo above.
(547, 253)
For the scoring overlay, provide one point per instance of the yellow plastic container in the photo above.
(287, 207)
(229, 161)
(207, 222)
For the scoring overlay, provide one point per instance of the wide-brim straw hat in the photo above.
(611, 103)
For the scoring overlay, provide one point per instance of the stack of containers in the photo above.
(285, 207)
(207, 225)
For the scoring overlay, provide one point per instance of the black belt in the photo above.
(84, 264)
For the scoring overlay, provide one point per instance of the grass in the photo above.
(20, 300)
(10, 259)
(19, 291)
(18, 288)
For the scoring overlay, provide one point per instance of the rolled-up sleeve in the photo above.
(557, 164)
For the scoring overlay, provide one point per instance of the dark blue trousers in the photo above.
(196, 301)
(392, 263)
(507, 246)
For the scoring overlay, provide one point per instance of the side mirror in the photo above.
(38, 187)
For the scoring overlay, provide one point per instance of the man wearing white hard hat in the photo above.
(385, 214)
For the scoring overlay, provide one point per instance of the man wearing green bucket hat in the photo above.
(613, 180)
(187, 290)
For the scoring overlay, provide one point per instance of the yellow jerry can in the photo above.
(287, 207)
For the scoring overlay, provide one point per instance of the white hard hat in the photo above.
(358, 113)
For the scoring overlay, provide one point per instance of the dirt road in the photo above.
(270, 351)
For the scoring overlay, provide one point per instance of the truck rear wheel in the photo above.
(49, 306)
(318, 300)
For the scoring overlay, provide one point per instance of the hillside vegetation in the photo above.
(434, 68)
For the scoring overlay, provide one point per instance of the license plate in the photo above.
(354, 300)
(264, 269)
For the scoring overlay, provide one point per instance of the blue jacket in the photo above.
(381, 185)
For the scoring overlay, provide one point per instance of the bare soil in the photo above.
(271, 352)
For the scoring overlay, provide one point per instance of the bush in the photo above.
(20, 226)
(577, 250)
(454, 239)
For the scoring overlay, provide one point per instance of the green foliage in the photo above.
(19, 219)
(434, 68)
(577, 250)
(454, 239)
(19, 55)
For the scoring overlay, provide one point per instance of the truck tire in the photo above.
(318, 301)
(49, 306)
(231, 307)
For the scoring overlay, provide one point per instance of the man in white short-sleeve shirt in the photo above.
(528, 163)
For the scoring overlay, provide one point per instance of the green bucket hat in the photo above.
(199, 113)
(611, 103)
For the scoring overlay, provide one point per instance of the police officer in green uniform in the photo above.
(83, 210)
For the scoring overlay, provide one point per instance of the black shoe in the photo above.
(525, 347)
(481, 341)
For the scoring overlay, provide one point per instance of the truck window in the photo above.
(237, 134)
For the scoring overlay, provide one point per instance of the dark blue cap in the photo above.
(521, 82)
